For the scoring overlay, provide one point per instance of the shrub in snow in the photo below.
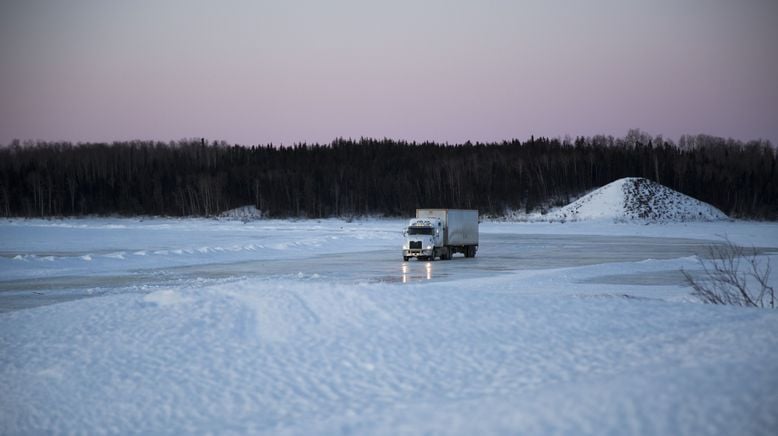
(733, 277)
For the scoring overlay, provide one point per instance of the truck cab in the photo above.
(421, 238)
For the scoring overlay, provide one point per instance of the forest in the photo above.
(349, 177)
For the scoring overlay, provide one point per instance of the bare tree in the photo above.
(733, 275)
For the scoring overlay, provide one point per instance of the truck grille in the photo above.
(415, 244)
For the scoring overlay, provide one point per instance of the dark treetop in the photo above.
(377, 177)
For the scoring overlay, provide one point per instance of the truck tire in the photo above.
(405, 258)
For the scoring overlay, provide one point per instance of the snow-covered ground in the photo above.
(318, 327)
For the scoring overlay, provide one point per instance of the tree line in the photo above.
(374, 176)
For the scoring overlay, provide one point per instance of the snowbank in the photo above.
(500, 355)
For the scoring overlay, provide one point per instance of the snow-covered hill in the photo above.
(243, 213)
(638, 199)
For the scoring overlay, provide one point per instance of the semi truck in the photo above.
(441, 233)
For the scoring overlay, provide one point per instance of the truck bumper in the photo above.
(416, 252)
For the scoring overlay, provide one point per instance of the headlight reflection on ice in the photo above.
(407, 273)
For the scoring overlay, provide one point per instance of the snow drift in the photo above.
(638, 199)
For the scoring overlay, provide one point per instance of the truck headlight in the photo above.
(429, 247)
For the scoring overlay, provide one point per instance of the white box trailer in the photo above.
(441, 233)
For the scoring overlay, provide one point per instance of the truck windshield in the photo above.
(419, 230)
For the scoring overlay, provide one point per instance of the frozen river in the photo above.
(61, 273)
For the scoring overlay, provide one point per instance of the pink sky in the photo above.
(254, 72)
